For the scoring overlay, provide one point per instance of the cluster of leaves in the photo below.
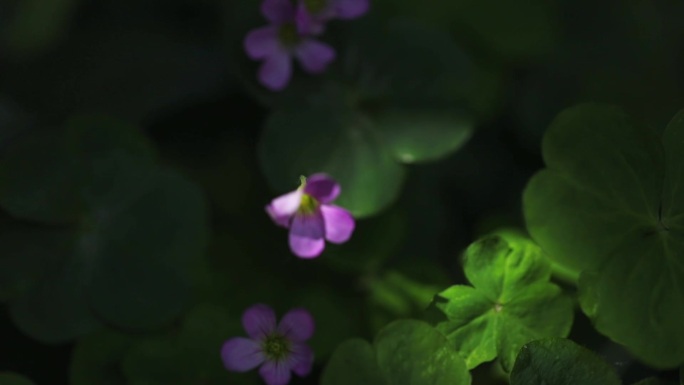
(100, 244)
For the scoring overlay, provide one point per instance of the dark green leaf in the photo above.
(405, 352)
(190, 355)
(353, 362)
(8, 378)
(134, 229)
(413, 353)
(38, 25)
(97, 359)
(40, 180)
(338, 142)
(420, 136)
(557, 361)
(609, 204)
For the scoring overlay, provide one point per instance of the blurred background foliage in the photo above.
(137, 152)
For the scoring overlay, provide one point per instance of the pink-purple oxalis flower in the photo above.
(278, 348)
(278, 42)
(313, 14)
(311, 217)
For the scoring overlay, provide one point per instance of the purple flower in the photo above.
(311, 218)
(279, 348)
(313, 14)
(277, 43)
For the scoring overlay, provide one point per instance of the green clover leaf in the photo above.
(558, 361)
(127, 231)
(382, 115)
(510, 303)
(610, 204)
(405, 352)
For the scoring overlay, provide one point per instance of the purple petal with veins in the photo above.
(322, 187)
(276, 71)
(339, 223)
(307, 235)
(297, 325)
(276, 372)
(278, 11)
(241, 354)
(258, 321)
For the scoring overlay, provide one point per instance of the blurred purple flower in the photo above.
(279, 348)
(313, 14)
(277, 43)
(311, 217)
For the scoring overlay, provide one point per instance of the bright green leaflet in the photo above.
(557, 361)
(405, 352)
(609, 204)
(510, 303)
(132, 229)
(8, 378)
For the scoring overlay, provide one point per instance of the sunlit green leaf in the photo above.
(405, 352)
(609, 204)
(510, 303)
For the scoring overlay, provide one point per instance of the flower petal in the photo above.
(314, 55)
(301, 360)
(322, 187)
(308, 24)
(276, 71)
(278, 11)
(297, 325)
(307, 234)
(259, 320)
(241, 354)
(350, 9)
(283, 207)
(261, 42)
(339, 223)
(276, 372)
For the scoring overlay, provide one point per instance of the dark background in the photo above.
(175, 68)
